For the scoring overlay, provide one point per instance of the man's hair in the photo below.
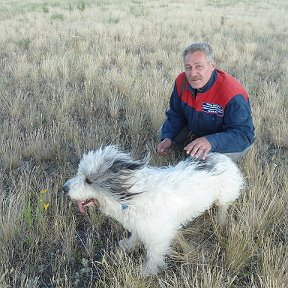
(204, 47)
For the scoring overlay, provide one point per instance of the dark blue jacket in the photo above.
(220, 111)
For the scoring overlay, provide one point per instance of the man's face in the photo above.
(198, 69)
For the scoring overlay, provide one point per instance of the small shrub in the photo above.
(45, 9)
(81, 6)
(24, 43)
(57, 16)
(41, 207)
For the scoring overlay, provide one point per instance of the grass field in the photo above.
(78, 74)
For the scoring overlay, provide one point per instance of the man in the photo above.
(208, 106)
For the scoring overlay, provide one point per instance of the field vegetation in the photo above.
(75, 75)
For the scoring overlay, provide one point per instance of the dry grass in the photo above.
(78, 74)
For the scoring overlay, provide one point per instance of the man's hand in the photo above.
(198, 148)
(163, 147)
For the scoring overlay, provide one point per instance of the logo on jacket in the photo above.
(213, 109)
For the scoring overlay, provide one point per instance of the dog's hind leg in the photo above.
(222, 214)
(155, 261)
(156, 256)
(129, 243)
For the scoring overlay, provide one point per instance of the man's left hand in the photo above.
(200, 147)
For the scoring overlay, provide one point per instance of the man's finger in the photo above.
(205, 153)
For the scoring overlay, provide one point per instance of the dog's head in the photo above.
(106, 172)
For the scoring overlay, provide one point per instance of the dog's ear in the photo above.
(121, 164)
(115, 175)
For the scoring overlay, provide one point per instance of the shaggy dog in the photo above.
(153, 203)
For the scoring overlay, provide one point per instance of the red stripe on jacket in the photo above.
(221, 92)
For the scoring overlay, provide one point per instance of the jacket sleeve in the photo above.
(238, 129)
(175, 120)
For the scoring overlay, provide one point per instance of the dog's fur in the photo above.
(152, 203)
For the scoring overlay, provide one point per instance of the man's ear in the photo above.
(212, 65)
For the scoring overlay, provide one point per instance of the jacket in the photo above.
(220, 111)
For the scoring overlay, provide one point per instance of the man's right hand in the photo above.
(163, 147)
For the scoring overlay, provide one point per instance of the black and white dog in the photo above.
(152, 203)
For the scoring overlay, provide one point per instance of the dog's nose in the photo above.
(65, 189)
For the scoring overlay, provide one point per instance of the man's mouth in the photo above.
(195, 79)
(83, 204)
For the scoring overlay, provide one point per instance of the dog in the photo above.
(153, 202)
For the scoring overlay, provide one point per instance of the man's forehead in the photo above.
(198, 54)
(195, 61)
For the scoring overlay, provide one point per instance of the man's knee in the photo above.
(237, 155)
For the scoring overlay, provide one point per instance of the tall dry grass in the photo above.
(78, 74)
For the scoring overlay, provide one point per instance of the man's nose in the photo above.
(194, 72)
(191, 73)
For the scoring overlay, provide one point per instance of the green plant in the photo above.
(45, 9)
(24, 43)
(35, 212)
(57, 16)
(81, 6)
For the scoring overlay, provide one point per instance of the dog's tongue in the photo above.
(81, 206)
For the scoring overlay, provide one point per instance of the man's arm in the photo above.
(175, 120)
(238, 129)
(163, 147)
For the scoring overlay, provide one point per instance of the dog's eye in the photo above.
(88, 181)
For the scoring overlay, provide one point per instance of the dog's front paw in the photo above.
(152, 268)
(124, 244)
(129, 243)
(148, 271)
